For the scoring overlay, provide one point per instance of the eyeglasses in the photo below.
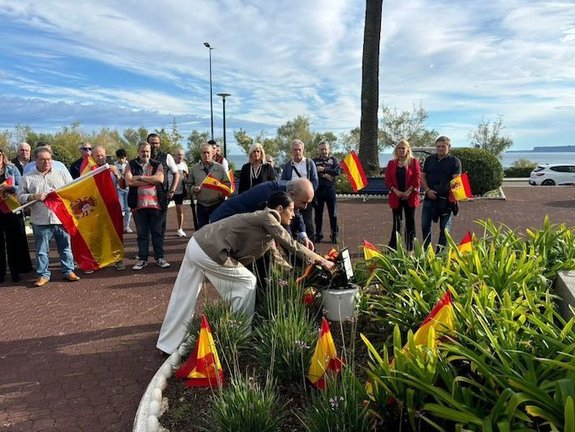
(86, 148)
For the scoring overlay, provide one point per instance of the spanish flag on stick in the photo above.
(89, 210)
(203, 368)
(8, 202)
(324, 357)
(354, 171)
(370, 251)
(440, 319)
(232, 178)
(465, 245)
(88, 164)
(460, 188)
(210, 182)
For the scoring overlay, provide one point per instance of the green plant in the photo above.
(245, 405)
(340, 407)
(483, 168)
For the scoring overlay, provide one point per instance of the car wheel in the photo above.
(548, 182)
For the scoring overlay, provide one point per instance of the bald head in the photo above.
(301, 192)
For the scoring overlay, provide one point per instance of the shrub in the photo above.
(515, 172)
(484, 169)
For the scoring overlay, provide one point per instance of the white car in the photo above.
(552, 174)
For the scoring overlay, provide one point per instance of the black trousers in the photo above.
(13, 246)
(325, 195)
(409, 233)
(204, 212)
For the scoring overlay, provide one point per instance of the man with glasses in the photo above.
(35, 186)
(85, 151)
(56, 165)
(436, 175)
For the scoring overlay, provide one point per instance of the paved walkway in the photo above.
(78, 356)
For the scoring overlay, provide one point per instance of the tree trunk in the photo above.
(368, 149)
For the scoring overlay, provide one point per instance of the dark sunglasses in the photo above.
(86, 148)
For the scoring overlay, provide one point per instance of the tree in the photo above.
(368, 148)
(350, 140)
(195, 140)
(298, 128)
(244, 141)
(410, 125)
(487, 136)
(134, 136)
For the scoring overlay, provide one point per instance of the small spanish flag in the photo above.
(8, 201)
(440, 319)
(465, 245)
(460, 188)
(370, 251)
(203, 368)
(352, 167)
(88, 164)
(210, 182)
(232, 178)
(324, 357)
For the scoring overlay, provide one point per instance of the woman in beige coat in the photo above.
(220, 251)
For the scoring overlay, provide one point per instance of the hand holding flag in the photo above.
(460, 188)
(8, 201)
(210, 182)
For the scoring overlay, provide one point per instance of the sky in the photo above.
(120, 64)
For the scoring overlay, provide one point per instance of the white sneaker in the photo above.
(162, 263)
(140, 265)
(128, 230)
(180, 233)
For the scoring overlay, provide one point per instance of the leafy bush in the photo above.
(484, 169)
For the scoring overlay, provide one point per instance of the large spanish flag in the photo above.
(210, 182)
(324, 357)
(8, 202)
(352, 167)
(460, 188)
(90, 211)
(203, 368)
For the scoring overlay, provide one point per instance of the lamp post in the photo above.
(210, 48)
(224, 96)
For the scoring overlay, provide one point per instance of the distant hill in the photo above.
(554, 149)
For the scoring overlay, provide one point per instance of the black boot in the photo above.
(318, 238)
(334, 238)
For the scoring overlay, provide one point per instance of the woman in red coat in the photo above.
(403, 179)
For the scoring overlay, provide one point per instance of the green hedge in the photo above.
(516, 172)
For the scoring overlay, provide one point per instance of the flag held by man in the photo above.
(210, 182)
(203, 368)
(354, 171)
(324, 358)
(460, 188)
(89, 210)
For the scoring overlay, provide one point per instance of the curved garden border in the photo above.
(151, 405)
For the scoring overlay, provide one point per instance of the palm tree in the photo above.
(368, 149)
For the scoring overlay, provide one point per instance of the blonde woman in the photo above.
(257, 170)
(403, 179)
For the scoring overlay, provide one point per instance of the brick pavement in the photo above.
(78, 356)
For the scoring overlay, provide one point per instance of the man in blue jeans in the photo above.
(436, 175)
(35, 186)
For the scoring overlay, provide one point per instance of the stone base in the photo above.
(565, 288)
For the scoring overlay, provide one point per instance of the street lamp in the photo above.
(224, 96)
(207, 45)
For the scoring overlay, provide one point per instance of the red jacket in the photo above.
(412, 179)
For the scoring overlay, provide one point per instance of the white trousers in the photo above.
(236, 284)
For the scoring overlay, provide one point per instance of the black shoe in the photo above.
(16, 278)
(318, 238)
(334, 239)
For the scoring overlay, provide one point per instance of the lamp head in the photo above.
(207, 45)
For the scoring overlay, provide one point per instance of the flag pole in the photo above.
(78, 180)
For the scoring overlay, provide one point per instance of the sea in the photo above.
(506, 160)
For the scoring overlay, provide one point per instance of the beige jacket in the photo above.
(246, 237)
